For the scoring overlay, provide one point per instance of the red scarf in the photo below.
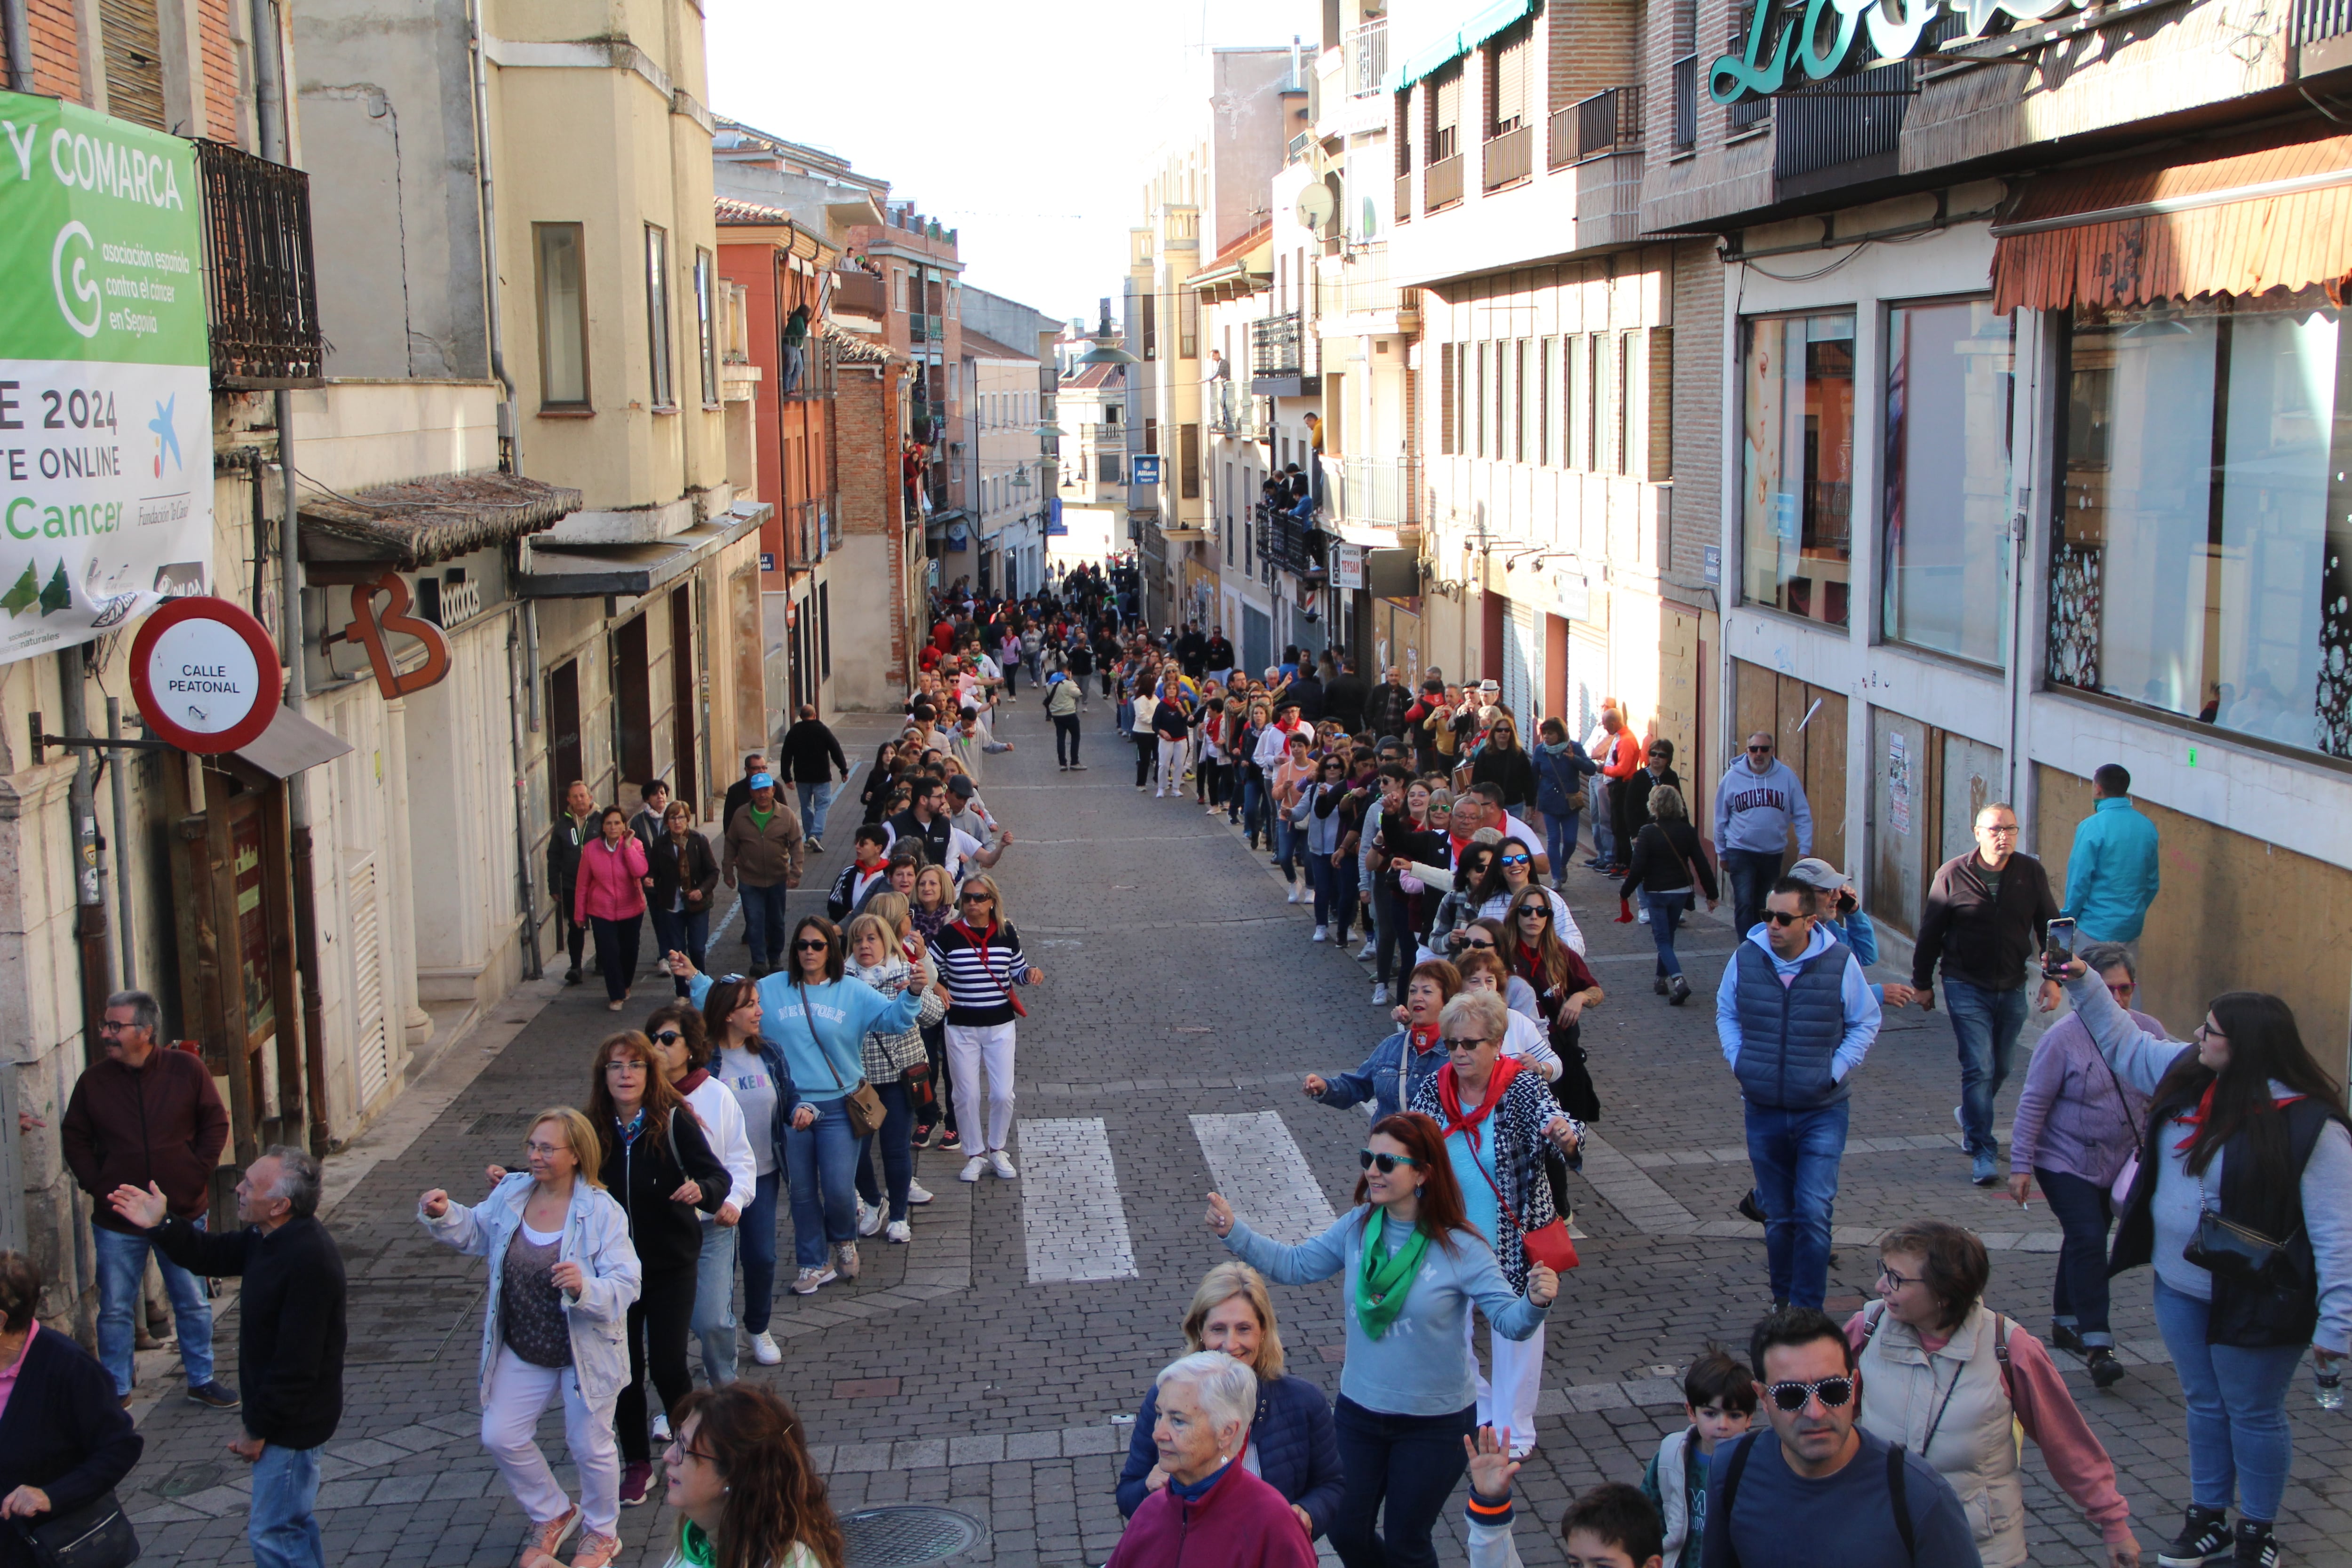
(1450, 1097)
(1421, 1037)
(1530, 961)
(2195, 1120)
(693, 1082)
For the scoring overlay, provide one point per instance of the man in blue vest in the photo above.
(1796, 1016)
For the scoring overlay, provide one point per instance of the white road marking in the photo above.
(1070, 1207)
(1259, 1169)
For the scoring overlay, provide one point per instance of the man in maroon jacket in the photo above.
(146, 1114)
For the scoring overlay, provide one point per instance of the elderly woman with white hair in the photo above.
(1212, 1509)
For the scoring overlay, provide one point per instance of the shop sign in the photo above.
(1822, 39)
(369, 630)
(105, 374)
(205, 675)
(1144, 469)
(1347, 566)
(1573, 598)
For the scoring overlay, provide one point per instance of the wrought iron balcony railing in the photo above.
(261, 287)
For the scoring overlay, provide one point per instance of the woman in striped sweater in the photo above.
(979, 959)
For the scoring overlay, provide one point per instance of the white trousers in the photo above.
(519, 1393)
(970, 1046)
(1171, 767)
(1510, 1399)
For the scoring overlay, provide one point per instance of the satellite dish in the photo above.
(1317, 208)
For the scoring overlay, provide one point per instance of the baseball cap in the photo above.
(763, 781)
(1055, 677)
(1815, 872)
(961, 787)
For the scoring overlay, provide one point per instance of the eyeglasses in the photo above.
(625, 1065)
(1468, 1043)
(668, 1038)
(1832, 1392)
(1517, 859)
(1899, 1280)
(1782, 918)
(2007, 827)
(2204, 1032)
(544, 1151)
(819, 945)
(1366, 1159)
(677, 1447)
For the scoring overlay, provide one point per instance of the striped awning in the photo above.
(2248, 216)
(1452, 44)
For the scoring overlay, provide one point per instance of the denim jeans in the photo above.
(714, 1298)
(121, 1260)
(897, 1138)
(1320, 877)
(1559, 845)
(764, 929)
(687, 932)
(821, 1165)
(1344, 897)
(1751, 873)
(1795, 1156)
(1666, 911)
(755, 1248)
(1604, 837)
(1289, 846)
(281, 1525)
(1408, 1462)
(1986, 1024)
(2238, 1436)
(2080, 1296)
(1253, 804)
(816, 800)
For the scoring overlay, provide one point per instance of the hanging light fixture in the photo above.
(1106, 350)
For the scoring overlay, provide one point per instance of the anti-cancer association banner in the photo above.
(105, 382)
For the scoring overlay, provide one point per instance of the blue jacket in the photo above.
(824, 1064)
(1561, 772)
(1794, 1045)
(2112, 874)
(1387, 1078)
(1296, 1446)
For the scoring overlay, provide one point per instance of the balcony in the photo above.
(815, 380)
(1285, 541)
(1509, 157)
(1283, 362)
(1366, 57)
(1403, 212)
(806, 532)
(1231, 409)
(1686, 103)
(1380, 492)
(261, 287)
(1606, 123)
(1845, 130)
(1440, 184)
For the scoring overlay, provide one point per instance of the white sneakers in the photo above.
(915, 1193)
(1379, 995)
(807, 1281)
(1322, 933)
(900, 1233)
(995, 1160)
(764, 1348)
(1001, 1163)
(1294, 893)
(1369, 948)
(972, 1168)
(845, 1260)
(661, 1426)
(870, 1218)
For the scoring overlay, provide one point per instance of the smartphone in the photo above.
(2058, 947)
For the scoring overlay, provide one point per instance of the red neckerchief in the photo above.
(1460, 844)
(911, 946)
(1449, 1096)
(1532, 960)
(693, 1081)
(1421, 1037)
(2195, 1120)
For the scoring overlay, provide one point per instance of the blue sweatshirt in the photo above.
(2112, 874)
(827, 1065)
(1422, 1365)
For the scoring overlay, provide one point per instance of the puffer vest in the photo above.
(1974, 1445)
(1789, 1033)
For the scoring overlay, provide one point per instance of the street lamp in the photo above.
(1106, 350)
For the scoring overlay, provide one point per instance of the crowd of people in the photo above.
(1422, 822)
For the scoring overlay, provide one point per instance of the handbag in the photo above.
(1549, 1245)
(862, 1105)
(979, 946)
(2119, 1189)
(95, 1535)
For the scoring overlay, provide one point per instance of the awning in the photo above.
(418, 523)
(1492, 20)
(291, 744)
(2249, 217)
(1452, 44)
(596, 571)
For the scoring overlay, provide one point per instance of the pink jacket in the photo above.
(610, 885)
(1240, 1523)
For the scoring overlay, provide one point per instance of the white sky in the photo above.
(1030, 125)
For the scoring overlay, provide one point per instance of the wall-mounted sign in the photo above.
(1347, 566)
(1820, 40)
(1714, 566)
(205, 675)
(106, 447)
(1572, 597)
(1143, 469)
(369, 630)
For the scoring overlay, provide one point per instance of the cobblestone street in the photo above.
(995, 1364)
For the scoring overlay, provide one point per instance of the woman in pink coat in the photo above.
(609, 897)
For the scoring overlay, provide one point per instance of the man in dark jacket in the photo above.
(812, 755)
(290, 1340)
(1306, 692)
(1343, 697)
(1987, 913)
(1795, 1018)
(739, 794)
(575, 827)
(1384, 707)
(146, 1115)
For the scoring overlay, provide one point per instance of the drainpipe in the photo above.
(18, 39)
(117, 760)
(89, 892)
(510, 433)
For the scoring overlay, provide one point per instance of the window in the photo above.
(1545, 443)
(1575, 449)
(2202, 560)
(1150, 326)
(1444, 96)
(658, 317)
(705, 327)
(1519, 443)
(1188, 325)
(1151, 438)
(1945, 546)
(1446, 442)
(1478, 446)
(1624, 392)
(1187, 460)
(563, 317)
(1107, 468)
(1511, 71)
(1797, 479)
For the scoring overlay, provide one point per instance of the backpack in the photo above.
(1898, 1493)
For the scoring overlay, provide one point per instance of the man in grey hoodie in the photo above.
(1759, 801)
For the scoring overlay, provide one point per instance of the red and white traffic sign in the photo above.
(205, 674)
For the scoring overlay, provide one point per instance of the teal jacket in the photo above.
(2111, 873)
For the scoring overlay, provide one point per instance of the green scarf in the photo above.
(1387, 1278)
(693, 1546)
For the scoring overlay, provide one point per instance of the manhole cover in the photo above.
(190, 1479)
(907, 1537)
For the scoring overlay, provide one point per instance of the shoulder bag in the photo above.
(863, 1106)
(1549, 1245)
(2236, 1252)
(95, 1535)
(979, 950)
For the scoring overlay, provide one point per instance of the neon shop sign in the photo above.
(1817, 38)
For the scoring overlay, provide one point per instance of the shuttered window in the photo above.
(134, 61)
(1512, 60)
(1187, 460)
(1445, 442)
(1445, 95)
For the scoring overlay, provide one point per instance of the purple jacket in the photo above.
(1239, 1522)
(2074, 1115)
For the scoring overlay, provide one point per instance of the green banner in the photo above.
(105, 379)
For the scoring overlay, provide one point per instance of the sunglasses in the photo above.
(1474, 942)
(1780, 919)
(1387, 1163)
(1517, 859)
(977, 898)
(1755, 749)
(1537, 911)
(818, 946)
(668, 1038)
(1468, 1043)
(1832, 1392)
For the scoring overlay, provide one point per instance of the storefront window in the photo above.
(1797, 463)
(1945, 561)
(2195, 567)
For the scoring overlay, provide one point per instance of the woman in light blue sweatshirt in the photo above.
(1411, 1267)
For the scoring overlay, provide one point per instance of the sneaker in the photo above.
(926, 1136)
(764, 1348)
(2067, 1337)
(870, 1218)
(1985, 1170)
(805, 1283)
(1367, 952)
(637, 1481)
(598, 1550)
(972, 1168)
(900, 1233)
(2256, 1548)
(953, 1143)
(1678, 991)
(816, 846)
(547, 1539)
(214, 1395)
(918, 1194)
(572, 978)
(1066, 767)
(1001, 1163)
(1078, 767)
(1322, 933)
(1293, 894)
(845, 1260)
(661, 1426)
(1158, 794)
(2105, 1369)
(2204, 1538)
(1381, 995)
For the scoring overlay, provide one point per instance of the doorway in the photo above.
(682, 693)
(565, 762)
(633, 705)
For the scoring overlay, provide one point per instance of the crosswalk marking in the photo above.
(1259, 1169)
(1070, 1209)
